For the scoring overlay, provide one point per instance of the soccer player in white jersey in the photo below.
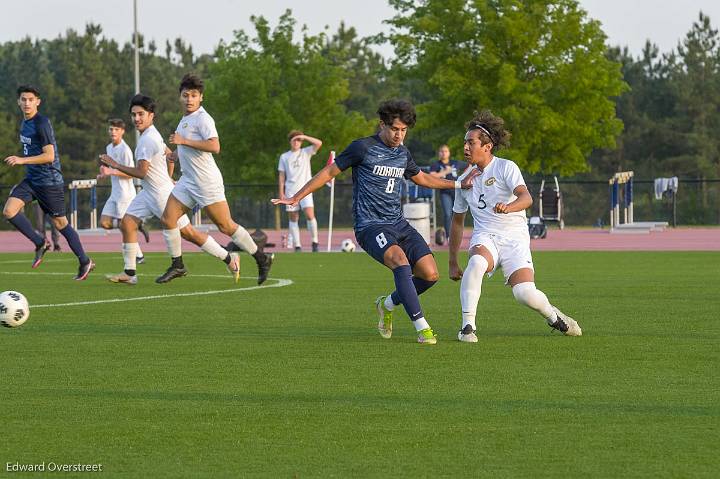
(201, 183)
(122, 190)
(155, 169)
(293, 172)
(497, 202)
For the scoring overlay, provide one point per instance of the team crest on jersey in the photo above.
(490, 181)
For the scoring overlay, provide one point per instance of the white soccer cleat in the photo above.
(234, 266)
(122, 278)
(467, 335)
(565, 324)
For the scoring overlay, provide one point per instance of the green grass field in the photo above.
(294, 381)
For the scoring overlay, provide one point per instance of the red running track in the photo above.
(679, 239)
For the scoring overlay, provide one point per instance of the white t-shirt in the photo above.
(296, 165)
(198, 166)
(151, 148)
(121, 187)
(495, 185)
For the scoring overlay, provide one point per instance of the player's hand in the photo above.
(501, 208)
(467, 182)
(299, 138)
(284, 201)
(172, 156)
(456, 272)
(14, 160)
(176, 139)
(106, 160)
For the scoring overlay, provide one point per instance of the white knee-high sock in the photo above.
(211, 247)
(295, 232)
(129, 251)
(471, 287)
(312, 228)
(533, 298)
(172, 240)
(242, 239)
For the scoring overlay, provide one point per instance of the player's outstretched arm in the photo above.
(428, 181)
(315, 183)
(136, 172)
(456, 233)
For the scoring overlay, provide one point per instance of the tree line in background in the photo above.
(574, 106)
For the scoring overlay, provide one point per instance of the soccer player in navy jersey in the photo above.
(43, 182)
(380, 162)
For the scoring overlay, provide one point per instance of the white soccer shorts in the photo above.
(306, 202)
(511, 255)
(116, 207)
(190, 194)
(146, 204)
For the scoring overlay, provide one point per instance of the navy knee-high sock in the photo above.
(421, 285)
(406, 291)
(74, 241)
(23, 225)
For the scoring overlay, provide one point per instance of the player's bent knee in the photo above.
(228, 229)
(529, 295)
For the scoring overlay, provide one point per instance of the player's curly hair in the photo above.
(192, 81)
(491, 127)
(401, 109)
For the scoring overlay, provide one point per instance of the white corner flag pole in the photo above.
(332, 204)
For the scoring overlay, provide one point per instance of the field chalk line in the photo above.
(280, 282)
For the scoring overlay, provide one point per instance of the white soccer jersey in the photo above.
(122, 188)
(296, 165)
(495, 185)
(197, 166)
(151, 148)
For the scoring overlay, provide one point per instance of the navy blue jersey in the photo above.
(377, 172)
(36, 133)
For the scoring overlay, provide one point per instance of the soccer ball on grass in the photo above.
(347, 246)
(14, 309)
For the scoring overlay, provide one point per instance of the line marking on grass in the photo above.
(280, 282)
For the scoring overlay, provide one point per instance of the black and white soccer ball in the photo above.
(347, 246)
(14, 309)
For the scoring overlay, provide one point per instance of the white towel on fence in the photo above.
(665, 184)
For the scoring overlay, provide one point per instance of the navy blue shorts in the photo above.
(51, 198)
(376, 239)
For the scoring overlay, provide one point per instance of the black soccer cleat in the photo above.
(171, 273)
(232, 247)
(264, 262)
(315, 247)
(84, 270)
(39, 253)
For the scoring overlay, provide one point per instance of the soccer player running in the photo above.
(293, 172)
(154, 168)
(43, 182)
(201, 184)
(380, 162)
(497, 202)
(122, 188)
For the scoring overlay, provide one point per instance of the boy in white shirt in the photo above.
(122, 188)
(293, 172)
(201, 184)
(497, 202)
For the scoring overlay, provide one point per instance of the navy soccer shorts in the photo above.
(51, 198)
(376, 239)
